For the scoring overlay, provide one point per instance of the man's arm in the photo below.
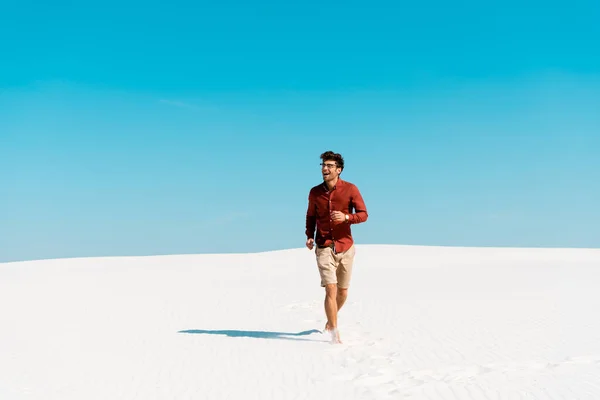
(360, 209)
(311, 218)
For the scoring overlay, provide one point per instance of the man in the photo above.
(333, 206)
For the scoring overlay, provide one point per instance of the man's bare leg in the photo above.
(340, 299)
(342, 295)
(331, 306)
(331, 310)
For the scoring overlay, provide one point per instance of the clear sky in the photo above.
(142, 128)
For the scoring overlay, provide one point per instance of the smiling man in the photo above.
(333, 206)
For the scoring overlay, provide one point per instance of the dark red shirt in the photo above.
(344, 197)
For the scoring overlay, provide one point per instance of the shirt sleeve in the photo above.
(360, 209)
(311, 217)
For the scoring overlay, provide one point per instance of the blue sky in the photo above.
(141, 128)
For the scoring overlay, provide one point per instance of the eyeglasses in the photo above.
(328, 166)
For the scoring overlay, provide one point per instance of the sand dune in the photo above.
(420, 323)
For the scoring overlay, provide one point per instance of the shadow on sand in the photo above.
(258, 334)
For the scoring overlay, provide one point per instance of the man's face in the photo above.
(330, 170)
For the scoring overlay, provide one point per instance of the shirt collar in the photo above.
(339, 183)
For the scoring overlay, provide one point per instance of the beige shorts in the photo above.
(335, 267)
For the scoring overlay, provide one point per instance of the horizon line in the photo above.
(290, 249)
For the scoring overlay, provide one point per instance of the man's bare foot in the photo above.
(327, 327)
(335, 336)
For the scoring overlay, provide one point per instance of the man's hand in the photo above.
(338, 216)
(310, 242)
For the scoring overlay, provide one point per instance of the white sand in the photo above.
(420, 323)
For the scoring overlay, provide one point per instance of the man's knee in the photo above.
(331, 290)
(342, 292)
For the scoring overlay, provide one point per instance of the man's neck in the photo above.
(330, 184)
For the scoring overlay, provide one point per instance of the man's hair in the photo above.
(331, 156)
